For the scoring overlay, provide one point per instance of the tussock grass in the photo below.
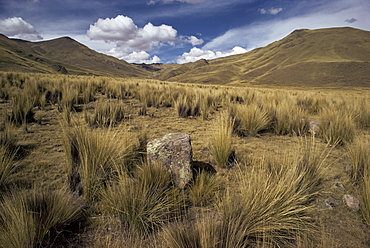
(8, 136)
(267, 210)
(22, 108)
(143, 203)
(94, 156)
(221, 142)
(359, 154)
(69, 97)
(39, 218)
(361, 111)
(252, 119)
(7, 164)
(337, 128)
(288, 119)
(106, 114)
(204, 189)
(365, 204)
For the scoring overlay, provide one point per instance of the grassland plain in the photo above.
(272, 193)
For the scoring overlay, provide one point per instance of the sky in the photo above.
(175, 31)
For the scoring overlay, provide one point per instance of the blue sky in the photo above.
(175, 31)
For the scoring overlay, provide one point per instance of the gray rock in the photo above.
(314, 126)
(352, 202)
(339, 186)
(174, 152)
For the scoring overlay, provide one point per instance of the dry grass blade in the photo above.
(220, 143)
(144, 203)
(39, 218)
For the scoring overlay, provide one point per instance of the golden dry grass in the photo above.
(294, 175)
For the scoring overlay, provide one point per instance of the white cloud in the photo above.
(271, 11)
(134, 57)
(196, 53)
(151, 2)
(332, 14)
(126, 34)
(17, 27)
(192, 40)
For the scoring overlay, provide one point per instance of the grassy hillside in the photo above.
(63, 55)
(324, 57)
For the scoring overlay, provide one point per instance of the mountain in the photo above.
(322, 57)
(314, 58)
(62, 55)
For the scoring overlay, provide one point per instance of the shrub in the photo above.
(39, 218)
(220, 143)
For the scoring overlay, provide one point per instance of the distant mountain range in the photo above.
(323, 57)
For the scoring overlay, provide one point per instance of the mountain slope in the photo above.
(323, 57)
(63, 55)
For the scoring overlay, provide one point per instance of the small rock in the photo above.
(132, 128)
(314, 125)
(352, 202)
(339, 186)
(331, 202)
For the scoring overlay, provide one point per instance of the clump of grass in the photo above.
(361, 112)
(358, 152)
(106, 114)
(22, 108)
(266, 211)
(365, 204)
(7, 164)
(143, 203)
(221, 143)
(69, 97)
(181, 105)
(252, 119)
(337, 128)
(204, 189)
(309, 165)
(288, 119)
(39, 218)
(94, 156)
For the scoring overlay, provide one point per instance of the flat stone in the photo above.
(352, 202)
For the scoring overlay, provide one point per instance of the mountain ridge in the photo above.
(335, 56)
(314, 58)
(64, 52)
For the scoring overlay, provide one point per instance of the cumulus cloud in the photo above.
(352, 20)
(17, 27)
(134, 57)
(196, 53)
(271, 11)
(192, 40)
(126, 34)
